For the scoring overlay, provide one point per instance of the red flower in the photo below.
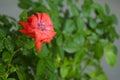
(39, 27)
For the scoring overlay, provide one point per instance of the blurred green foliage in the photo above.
(85, 33)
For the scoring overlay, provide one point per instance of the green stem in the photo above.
(86, 65)
(9, 63)
(13, 53)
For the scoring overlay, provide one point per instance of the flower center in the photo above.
(41, 26)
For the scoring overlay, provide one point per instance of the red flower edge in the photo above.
(39, 27)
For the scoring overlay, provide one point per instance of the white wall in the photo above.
(9, 7)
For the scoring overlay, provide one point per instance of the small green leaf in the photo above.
(111, 58)
(6, 56)
(40, 67)
(9, 44)
(88, 32)
(70, 47)
(99, 31)
(12, 69)
(69, 27)
(61, 53)
(23, 16)
(2, 33)
(29, 44)
(98, 51)
(101, 77)
(74, 10)
(86, 8)
(1, 45)
(25, 4)
(110, 55)
(79, 55)
(114, 19)
(80, 23)
(59, 40)
(2, 69)
(88, 2)
(11, 79)
(21, 73)
(97, 7)
(73, 45)
(44, 51)
(79, 40)
(93, 23)
(93, 74)
(58, 2)
(107, 9)
(64, 71)
(86, 11)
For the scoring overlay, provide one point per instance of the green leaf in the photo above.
(111, 58)
(99, 31)
(74, 10)
(40, 67)
(114, 19)
(1, 45)
(110, 55)
(25, 4)
(93, 23)
(86, 11)
(70, 47)
(107, 9)
(93, 74)
(86, 8)
(74, 44)
(98, 51)
(52, 6)
(80, 23)
(29, 44)
(68, 27)
(11, 79)
(101, 77)
(59, 40)
(64, 71)
(88, 2)
(23, 15)
(98, 10)
(79, 40)
(79, 55)
(2, 69)
(21, 73)
(6, 56)
(45, 69)
(61, 53)
(9, 44)
(44, 51)
(58, 2)
(2, 33)
(12, 69)
(93, 38)
(50, 69)
(88, 32)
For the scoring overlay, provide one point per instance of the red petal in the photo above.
(23, 24)
(38, 45)
(32, 21)
(38, 40)
(47, 40)
(26, 33)
(45, 18)
(23, 31)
